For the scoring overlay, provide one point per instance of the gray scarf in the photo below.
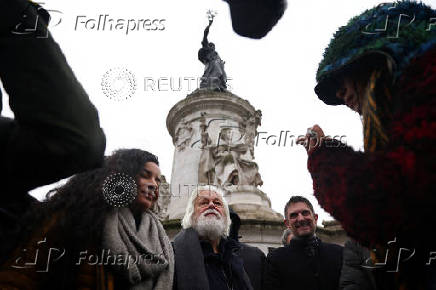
(148, 251)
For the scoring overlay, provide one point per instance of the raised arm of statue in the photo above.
(204, 42)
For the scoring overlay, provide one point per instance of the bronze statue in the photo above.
(214, 76)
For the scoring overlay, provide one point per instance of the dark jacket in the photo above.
(254, 264)
(254, 259)
(294, 267)
(195, 265)
(357, 270)
(56, 130)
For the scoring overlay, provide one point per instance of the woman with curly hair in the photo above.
(382, 65)
(98, 231)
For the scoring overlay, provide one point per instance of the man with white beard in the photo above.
(206, 259)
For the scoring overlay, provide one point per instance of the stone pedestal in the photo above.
(251, 203)
(267, 235)
(213, 133)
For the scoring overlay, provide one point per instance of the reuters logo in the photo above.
(118, 84)
(119, 190)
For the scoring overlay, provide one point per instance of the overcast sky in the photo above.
(275, 74)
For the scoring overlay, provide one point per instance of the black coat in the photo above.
(353, 275)
(291, 267)
(195, 265)
(56, 130)
(254, 264)
(254, 259)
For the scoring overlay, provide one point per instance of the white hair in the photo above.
(189, 213)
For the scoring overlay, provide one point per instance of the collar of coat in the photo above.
(189, 260)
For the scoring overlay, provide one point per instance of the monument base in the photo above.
(267, 235)
(250, 203)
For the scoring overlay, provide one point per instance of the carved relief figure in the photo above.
(226, 163)
(205, 139)
(183, 136)
(250, 127)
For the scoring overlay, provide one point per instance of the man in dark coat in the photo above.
(205, 258)
(254, 259)
(357, 270)
(56, 130)
(307, 263)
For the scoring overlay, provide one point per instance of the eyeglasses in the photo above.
(294, 215)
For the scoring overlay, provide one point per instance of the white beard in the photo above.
(210, 227)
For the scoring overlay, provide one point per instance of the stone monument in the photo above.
(213, 132)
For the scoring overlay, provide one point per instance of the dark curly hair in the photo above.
(80, 210)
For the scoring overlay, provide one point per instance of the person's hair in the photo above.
(295, 199)
(189, 213)
(78, 211)
(285, 236)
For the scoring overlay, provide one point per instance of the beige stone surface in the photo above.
(213, 135)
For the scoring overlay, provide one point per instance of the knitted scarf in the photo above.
(144, 257)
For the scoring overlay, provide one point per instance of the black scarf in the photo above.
(309, 244)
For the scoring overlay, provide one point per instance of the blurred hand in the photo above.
(312, 140)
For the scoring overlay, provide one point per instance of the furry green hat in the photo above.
(397, 31)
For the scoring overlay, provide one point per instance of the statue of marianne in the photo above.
(214, 76)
